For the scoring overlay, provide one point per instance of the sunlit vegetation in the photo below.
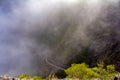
(28, 77)
(82, 72)
(37, 78)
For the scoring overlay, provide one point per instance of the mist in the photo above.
(34, 33)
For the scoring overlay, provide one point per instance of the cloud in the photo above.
(33, 29)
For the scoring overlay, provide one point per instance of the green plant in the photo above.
(27, 76)
(83, 72)
(105, 72)
(37, 78)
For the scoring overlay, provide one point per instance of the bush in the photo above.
(83, 72)
(37, 78)
(27, 76)
(105, 72)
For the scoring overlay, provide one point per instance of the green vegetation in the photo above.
(27, 76)
(83, 72)
(37, 78)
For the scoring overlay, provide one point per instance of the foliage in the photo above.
(37, 78)
(83, 72)
(27, 76)
(105, 72)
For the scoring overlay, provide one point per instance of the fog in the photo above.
(37, 33)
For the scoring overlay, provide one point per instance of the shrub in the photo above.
(37, 78)
(83, 72)
(27, 76)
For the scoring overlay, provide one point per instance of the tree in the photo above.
(83, 72)
(105, 72)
